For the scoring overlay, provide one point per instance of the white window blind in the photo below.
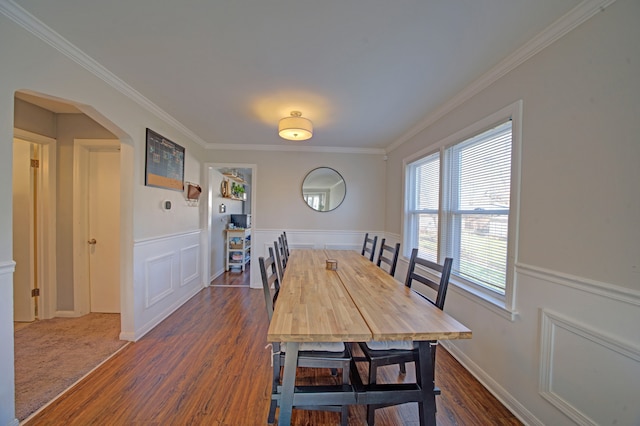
(477, 194)
(424, 205)
(459, 204)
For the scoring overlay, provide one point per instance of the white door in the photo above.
(104, 231)
(23, 235)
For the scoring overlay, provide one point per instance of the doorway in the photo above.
(218, 215)
(96, 229)
(34, 230)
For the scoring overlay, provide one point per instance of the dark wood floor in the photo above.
(207, 365)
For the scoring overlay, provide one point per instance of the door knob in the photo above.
(92, 241)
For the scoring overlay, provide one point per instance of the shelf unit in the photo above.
(238, 248)
(227, 183)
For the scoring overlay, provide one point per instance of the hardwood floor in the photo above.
(233, 278)
(207, 365)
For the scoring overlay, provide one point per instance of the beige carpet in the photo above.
(51, 355)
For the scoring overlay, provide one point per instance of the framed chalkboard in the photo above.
(164, 167)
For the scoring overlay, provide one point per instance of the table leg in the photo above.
(427, 409)
(288, 383)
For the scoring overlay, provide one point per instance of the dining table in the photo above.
(350, 299)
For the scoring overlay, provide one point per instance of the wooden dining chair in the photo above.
(332, 355)
(379, 354)
(389, 256)
(369, 246)
(277, 249)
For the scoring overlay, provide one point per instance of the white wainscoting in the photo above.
(7, 384)
(167, 273)
(571, 357)
(578, 364)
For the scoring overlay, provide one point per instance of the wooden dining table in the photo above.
(357, 302)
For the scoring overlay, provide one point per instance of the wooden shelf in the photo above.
(239, 246)
(233, 177)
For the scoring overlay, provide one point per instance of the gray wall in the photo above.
(578, 266)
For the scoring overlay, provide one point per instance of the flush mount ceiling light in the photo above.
(295, 128)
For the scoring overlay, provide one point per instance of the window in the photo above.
(459, 202)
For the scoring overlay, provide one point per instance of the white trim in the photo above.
(7, 268)
(598, 288)
(572, 19)
(157, 239)
(28, 136)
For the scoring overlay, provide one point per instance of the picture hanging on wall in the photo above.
(164, 166)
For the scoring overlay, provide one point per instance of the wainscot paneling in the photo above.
(167, 273)
(576, 364)
(572, 356)
(7, 382)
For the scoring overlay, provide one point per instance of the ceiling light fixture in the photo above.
(295, 128)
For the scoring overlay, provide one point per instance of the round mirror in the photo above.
(323, 189)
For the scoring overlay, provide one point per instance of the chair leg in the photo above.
(274, 387)
(346, 379)
(403, 368)
(371, 409)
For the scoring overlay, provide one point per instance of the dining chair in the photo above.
(379, 354)
(277, 249)
(284, 257)
(285, 241)
(332, 355)
(389, 256)
(369, 246)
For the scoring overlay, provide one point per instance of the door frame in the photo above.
(211, 188)
(81, 149)
(46, 226)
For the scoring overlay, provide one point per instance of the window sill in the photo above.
(495, 304)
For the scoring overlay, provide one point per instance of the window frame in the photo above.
(502, 304)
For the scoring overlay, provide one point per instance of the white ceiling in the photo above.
(363, 71)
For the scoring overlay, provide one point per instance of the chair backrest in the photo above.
(369, 246)
(283, 253)
(269, 278)
(285, 241)
(388, 255)
(439, 287)
(277, 248)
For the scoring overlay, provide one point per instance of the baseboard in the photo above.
(513, 405)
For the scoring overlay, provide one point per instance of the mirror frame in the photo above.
(338, 174)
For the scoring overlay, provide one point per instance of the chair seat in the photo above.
(317, 347)
(404, 345)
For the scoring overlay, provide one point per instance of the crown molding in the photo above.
(38, 28)
(298, 148)
(572, 19)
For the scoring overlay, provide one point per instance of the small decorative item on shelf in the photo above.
(237, 190)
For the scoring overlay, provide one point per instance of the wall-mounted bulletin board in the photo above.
(164, 167)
